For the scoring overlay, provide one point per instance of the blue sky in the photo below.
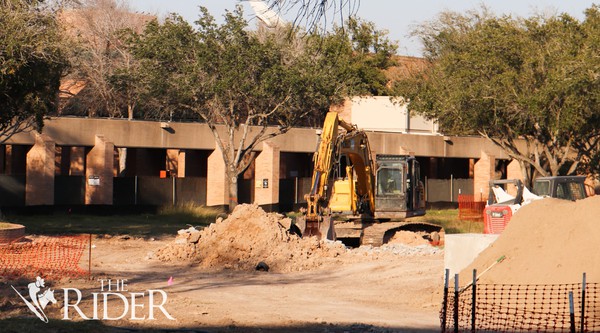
(397, 16)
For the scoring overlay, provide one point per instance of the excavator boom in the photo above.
(353, 145)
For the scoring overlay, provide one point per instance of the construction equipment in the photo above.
(347, 185)
(501, 206)
(561, 187)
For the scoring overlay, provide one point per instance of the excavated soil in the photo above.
(549, 241)
(250, 236)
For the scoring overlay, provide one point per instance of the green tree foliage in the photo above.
(31, 64)
(246, 86)
(535, 79)
(372, 53)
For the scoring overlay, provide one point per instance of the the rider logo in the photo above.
(38, 300)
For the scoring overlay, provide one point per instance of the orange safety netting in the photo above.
(468, 208)
(44, 256)
(522, 308)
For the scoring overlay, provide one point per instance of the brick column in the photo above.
(76, 165)
(484, 171)
(99, 173)
(513, 171)
(266, 175)
(217, 191)
(39, 188)
(181, 163)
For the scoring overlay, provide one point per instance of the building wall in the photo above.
(149, 134)
(367, 113)
(193, 145)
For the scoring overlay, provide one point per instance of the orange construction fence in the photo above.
(468, 208)
(44, 256)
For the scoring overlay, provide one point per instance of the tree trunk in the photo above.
(526, 171)
(233, 191)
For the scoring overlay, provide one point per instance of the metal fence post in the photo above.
(445, 300)
(135, 190)
(426, 189)
(456, 295)
(571, 312)
(296, 190)
(451, 188)
(583, 304)
(174, 202)
(473, 300)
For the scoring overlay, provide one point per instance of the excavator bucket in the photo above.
(321, 229)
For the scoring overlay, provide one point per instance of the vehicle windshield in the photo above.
(570, 191)
(389, 181)
(542, 187)
(564, 190)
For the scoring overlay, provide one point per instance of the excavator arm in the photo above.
(354, 193)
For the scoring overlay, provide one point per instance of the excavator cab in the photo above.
(400, 192)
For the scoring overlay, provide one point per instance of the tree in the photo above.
(99, 57)
(508, 79)
(246, 86)
(31, 64)
(371, 54)
(99, 83)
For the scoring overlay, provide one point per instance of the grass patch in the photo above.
(448, 219)
(189, 210)
(170, 219)
(166, 222)
(6, 225)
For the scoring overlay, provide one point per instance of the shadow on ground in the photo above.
(20, 325)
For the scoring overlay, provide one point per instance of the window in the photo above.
(389, 181)
(542, 188)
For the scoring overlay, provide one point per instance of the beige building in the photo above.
(75, 161)
(385, 114)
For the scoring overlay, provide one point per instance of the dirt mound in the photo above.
(250, 236)
(549, 241)
(408, 238)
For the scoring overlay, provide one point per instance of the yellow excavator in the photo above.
(359, 201)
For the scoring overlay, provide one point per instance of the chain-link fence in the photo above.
(521, 308)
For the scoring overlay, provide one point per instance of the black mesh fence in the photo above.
(522, 308)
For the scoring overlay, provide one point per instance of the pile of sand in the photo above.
(250, 236)
(549, 241)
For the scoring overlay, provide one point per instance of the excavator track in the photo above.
(374, 235)
(377, 234)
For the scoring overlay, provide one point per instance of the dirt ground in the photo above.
(317, 287)
(361, 292)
